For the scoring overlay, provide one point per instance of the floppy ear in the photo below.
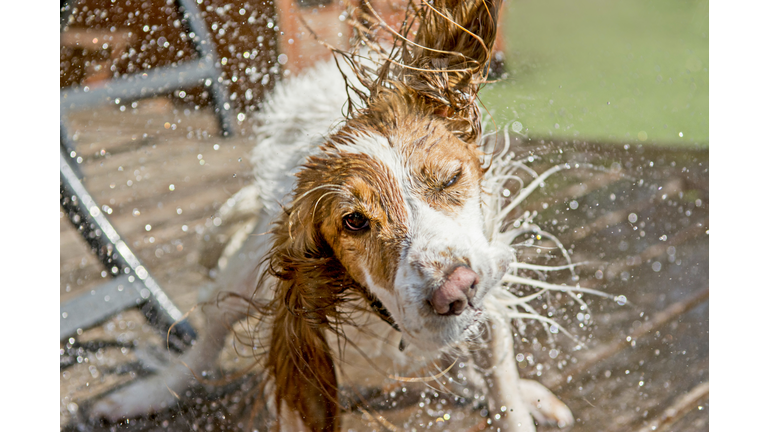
(444, 64)
(299, 359)
(308, 292)
(302, 368)
(448, 60)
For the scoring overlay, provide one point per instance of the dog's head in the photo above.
(395, 198)
(392, 204)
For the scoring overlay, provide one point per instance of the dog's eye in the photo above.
(453, 180)
(356, 222)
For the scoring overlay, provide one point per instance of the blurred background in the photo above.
(595, 69)
(157, 98)
(600, 70)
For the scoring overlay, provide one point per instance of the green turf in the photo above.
(606, 70)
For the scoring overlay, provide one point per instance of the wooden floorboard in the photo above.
(642, 232)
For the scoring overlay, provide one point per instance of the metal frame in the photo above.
(112, 297)
(132, 285)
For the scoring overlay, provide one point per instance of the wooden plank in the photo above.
(665, 316)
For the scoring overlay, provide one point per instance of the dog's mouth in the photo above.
(436, 330)
(470, 322)
(477, 315)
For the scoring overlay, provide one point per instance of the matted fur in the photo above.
(407, 155)
(429, 84)
(425, 88)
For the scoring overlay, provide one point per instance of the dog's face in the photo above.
(399, 205)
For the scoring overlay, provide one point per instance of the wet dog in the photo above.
(384, 237)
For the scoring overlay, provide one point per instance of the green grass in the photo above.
(606, 70)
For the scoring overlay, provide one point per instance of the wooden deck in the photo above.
(645, 365)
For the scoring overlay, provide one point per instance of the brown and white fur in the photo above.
(394, 202)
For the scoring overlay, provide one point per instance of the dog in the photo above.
(377, 234)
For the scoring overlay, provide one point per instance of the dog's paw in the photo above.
(145, 396)
(544, 406)
(141, 397)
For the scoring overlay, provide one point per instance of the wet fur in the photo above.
(412, 117)
(426, 94)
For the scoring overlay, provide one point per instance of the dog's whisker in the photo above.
(546, 322)
(424, 379)
(544, 268)
(547, 286)
(523, 194)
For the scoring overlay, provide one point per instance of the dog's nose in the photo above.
(452, 297)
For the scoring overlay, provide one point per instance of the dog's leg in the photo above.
(160, 391)
(544, 406)
(502, 378)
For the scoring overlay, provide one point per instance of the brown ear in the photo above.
(301, 365)
(445, 63)
(448, 60)
(308, 293)
(448, 56)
